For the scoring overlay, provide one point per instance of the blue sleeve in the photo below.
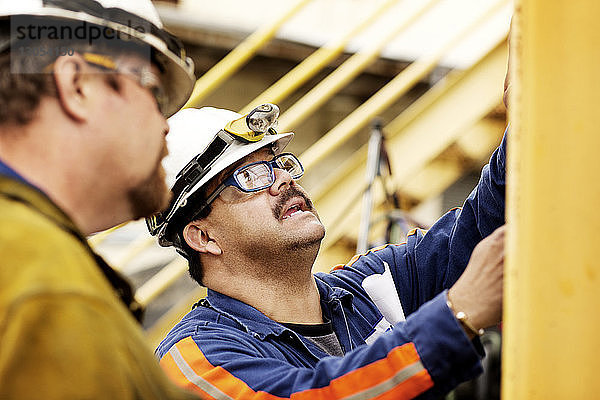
(218, 361)
(431, 262)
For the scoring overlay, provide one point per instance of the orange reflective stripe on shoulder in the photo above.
(400, 375)
(357, 256)
(374, 249)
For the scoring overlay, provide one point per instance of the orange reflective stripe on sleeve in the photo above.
(203, 377)
(400, 375)
(180, 378)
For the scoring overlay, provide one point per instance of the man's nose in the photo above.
(282, 178)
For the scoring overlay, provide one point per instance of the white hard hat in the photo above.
(137, 19)
(203, 142)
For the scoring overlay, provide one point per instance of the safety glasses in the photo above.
(143, 76)
(259, 175)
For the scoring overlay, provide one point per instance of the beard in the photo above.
(151, 195)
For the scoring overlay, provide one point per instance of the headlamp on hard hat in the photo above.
(247, 129)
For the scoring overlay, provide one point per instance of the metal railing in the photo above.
(398, 86)
(346, 72)
(316, 61)
(240, 55)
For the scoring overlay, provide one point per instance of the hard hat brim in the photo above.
(177, 69)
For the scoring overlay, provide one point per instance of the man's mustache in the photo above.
(287, 195)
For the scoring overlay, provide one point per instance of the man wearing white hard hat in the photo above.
(384, 325)
(85, 87)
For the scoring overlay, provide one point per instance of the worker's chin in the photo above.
(310, 235)
(150, 196)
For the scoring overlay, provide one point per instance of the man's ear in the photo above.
(198, 239)
(72, 87)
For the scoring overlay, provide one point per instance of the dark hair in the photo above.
(20, 93)
(176, 235)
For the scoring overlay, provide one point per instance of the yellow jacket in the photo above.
(64, 330)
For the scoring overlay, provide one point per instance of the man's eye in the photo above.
(247, 176)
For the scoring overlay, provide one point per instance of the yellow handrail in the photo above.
(333, 139)
(139, 244)
(239, 56)
(161, 281)
(426, 132)
(102, 236)
(344, 73)
(315, 62)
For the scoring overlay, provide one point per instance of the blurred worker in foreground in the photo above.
(84, 91)
(268, 325)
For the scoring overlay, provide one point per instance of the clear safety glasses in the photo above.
(259, 175)
(143, 76)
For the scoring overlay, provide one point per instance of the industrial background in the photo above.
(396, 106)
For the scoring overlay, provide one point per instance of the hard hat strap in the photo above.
(189, 176)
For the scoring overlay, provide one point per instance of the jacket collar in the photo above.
(14, 186)
(257, 323)
(5, 169)
(330, 294)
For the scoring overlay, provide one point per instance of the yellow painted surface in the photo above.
(159, 330)
(552, 297)
(161, 281)
(345, 73)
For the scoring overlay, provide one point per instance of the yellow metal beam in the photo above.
(475, 145)
(431, 181)
(316, 61)
(239, 56)
(552, 297)
(434, 122)
(398, 86)
(345, 73)
(137, 246)
(100, 237)
(161, 281)
(469, 152)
